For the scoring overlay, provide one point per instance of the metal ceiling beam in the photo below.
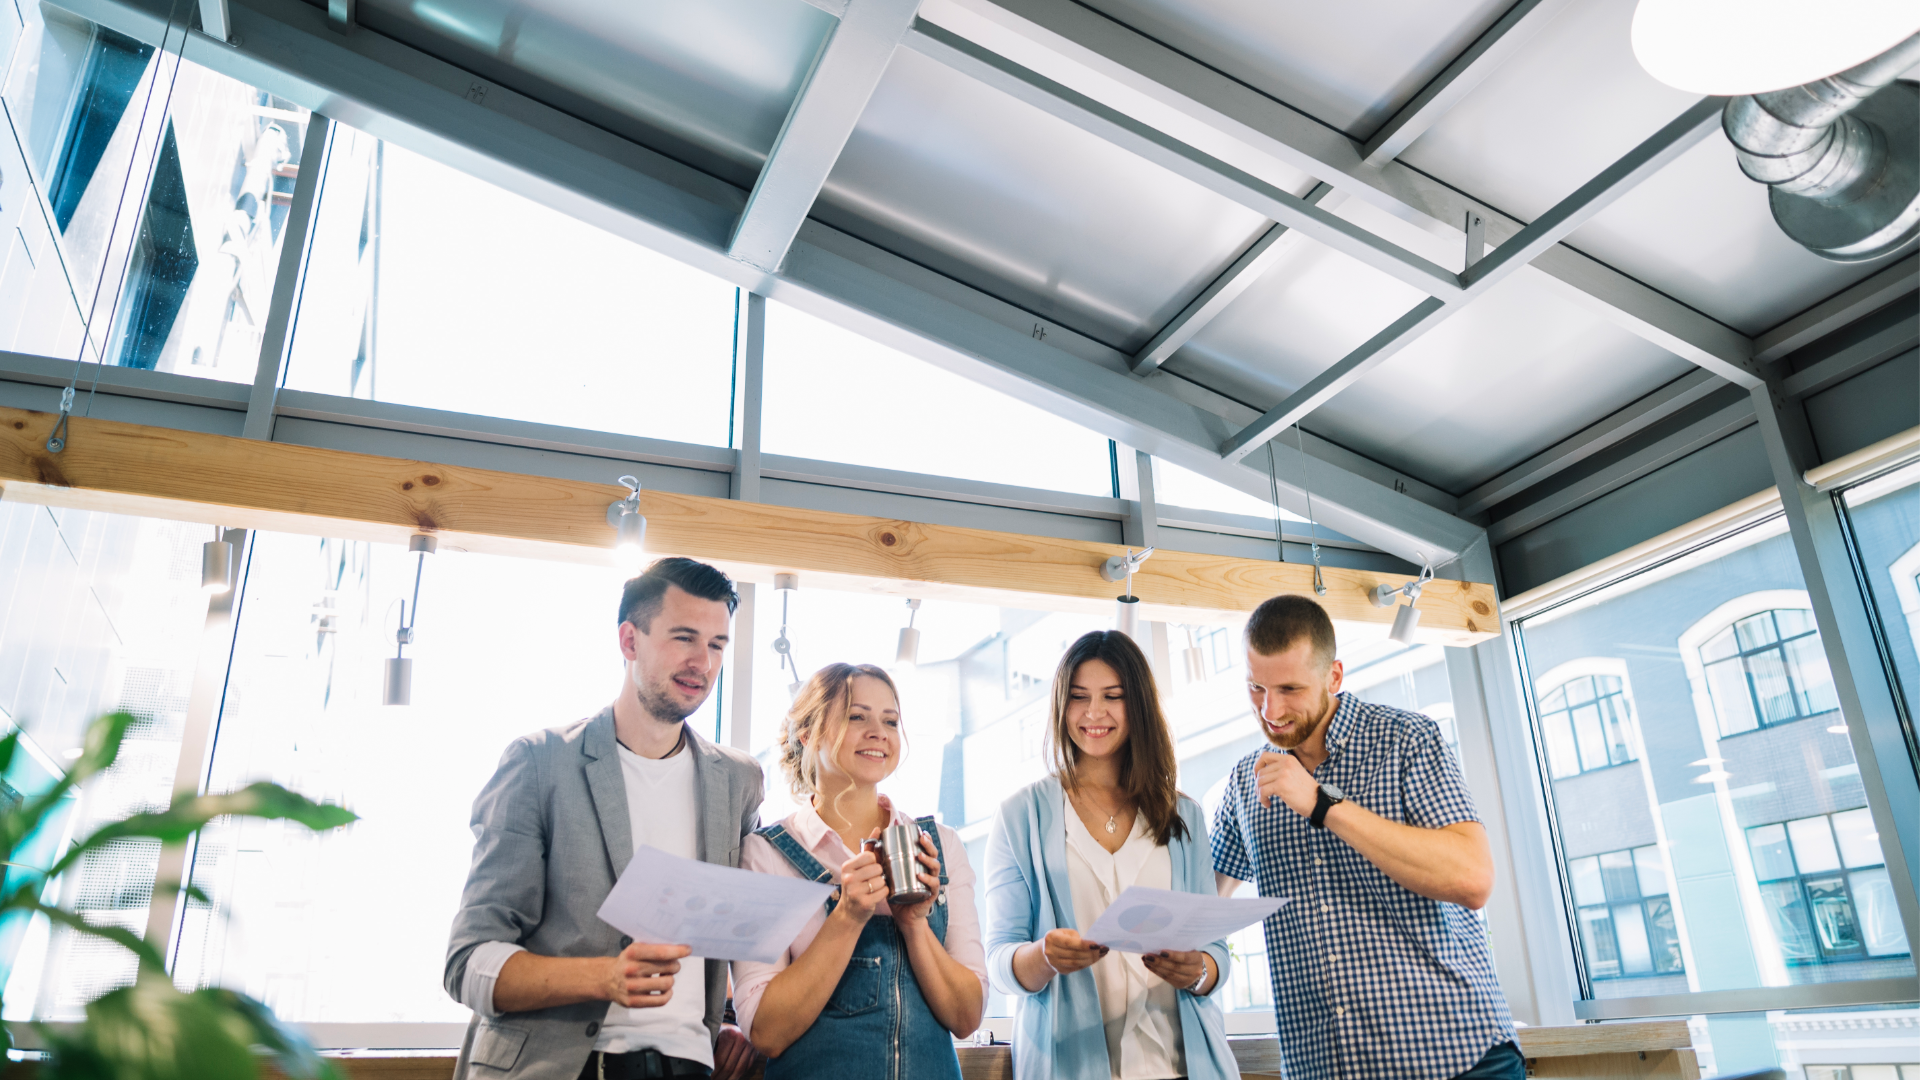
(1871, 351)
(1708, 430)
(1838, 310)
(1220, 177)
(843, 79)
(1592, 439)
(392, 91)
(1458, 79)
(1134, 74)
(1569, 214)
(1239, 275)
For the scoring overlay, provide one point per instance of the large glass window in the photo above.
(502, 647)
(433, 288)
(101, 612)
(1883, 528)
(159, 196)
(1708, 700)
(836, 396)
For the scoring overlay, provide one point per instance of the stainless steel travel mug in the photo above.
(897, 849)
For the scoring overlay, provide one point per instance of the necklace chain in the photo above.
(1112, 815)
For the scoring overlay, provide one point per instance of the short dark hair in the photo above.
(1281, 622)
(644, 596)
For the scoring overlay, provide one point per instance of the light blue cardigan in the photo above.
(1058, 1033)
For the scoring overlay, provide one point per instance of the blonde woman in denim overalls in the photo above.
(866, 992)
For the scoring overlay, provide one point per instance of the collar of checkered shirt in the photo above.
(1346, 716)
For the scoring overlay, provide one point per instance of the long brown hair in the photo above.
(825, 698)
(1148, 768)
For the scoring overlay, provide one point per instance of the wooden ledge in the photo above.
(215, 479)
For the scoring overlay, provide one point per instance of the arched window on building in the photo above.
(1767, 669)
(1587, 723)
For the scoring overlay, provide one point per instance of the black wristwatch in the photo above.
(1330, 797)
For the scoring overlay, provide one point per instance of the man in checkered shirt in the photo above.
(1380, 968)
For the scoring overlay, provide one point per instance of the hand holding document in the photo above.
(1142, 920)
(717, 911)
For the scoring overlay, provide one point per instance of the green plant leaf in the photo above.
(152, 1031)
(291, 1051)
(101, 747)
(190, 813)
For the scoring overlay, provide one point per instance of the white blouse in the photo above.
(1140, 1010)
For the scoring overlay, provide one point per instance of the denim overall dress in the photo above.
(876, 1026)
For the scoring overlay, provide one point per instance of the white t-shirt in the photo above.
(663, 814)
(1140, 1010)
(660, 803)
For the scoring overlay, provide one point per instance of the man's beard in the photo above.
(1304, 728)
(662, 704)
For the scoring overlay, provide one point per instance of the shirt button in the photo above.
(1317, 860)
(1333, 959)
(1339, 1010)
(1326, 907)
(593, 1029)
(625, 941)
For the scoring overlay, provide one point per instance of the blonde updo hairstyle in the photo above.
(826, 697)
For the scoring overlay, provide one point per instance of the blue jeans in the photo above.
(1503, 1062)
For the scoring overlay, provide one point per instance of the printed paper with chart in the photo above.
(719, 912)
(1142, 920)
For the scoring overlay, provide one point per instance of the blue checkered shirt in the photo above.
(1369, 979)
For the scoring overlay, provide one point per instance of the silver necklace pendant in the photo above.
(1111, 828)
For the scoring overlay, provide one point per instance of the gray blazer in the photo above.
(551, 835)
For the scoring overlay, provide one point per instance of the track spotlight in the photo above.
(1126, 617)
(907, 656)
(216, 565)
(397, 686)
(630, 536)
(1406, 620)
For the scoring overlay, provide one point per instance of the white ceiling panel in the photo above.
(719, 75)
(1514, 373)
(1552, 117)
(993, 191)
(1350, 65)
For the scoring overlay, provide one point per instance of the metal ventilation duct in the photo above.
(1842, 156)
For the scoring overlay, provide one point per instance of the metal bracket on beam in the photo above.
(214, 20)
(343, 14)
(1476, 236)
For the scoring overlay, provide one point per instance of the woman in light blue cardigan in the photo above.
(1113, 775)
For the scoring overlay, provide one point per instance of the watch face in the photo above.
(1334, 793)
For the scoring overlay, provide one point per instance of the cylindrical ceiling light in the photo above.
(907, 656)
(216, 565)
(1733, 47)
(397, 683)
(1126, 616)
(630, 528)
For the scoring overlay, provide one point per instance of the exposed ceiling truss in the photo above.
(1122, 86)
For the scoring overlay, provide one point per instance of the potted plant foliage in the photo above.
(151, 1030)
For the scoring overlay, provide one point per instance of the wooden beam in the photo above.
(183, 475)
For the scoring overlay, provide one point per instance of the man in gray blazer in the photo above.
(557, 994)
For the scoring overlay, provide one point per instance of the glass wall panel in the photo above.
(1883, 525)
(153, 200)
(433, 288)
(101, 612)
(503, 647)
(836, 396)
(1708, 807)
(1175, 486)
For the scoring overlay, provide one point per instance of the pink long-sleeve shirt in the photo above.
(750, 979)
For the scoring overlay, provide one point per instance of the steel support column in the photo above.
(277, 336)
(749, 381)
(1860, 678)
